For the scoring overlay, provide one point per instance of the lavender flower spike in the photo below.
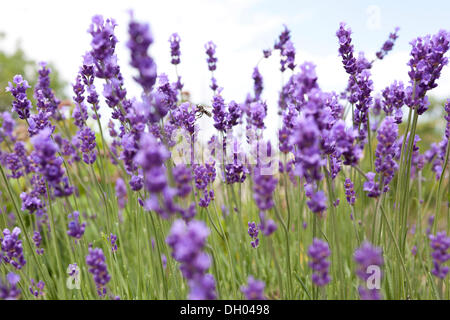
(319, 251)
(254, 289)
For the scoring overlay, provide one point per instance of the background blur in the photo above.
(55, 31)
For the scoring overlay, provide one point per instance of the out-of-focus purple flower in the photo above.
(283, 38)
(37, 242)
(112, 238)
(385, 152)
(140, 40)
(253, 233)
(319, 251)
(346, 49)
(175, 48)
(7, 126)
(46, 100)
(371, 186)
(21, 105)
(8, 287)
(388, 44)
(427, 60)
(440, 244)
(188, 241)
(11, 248)
(258, 112)
(48, 163)
(267, 53)
(437, 152)
(96, 262)
(393, 100)
(235, 172)
(121, 192)
(288, 56)
(368, 256)
(76, 229)
(308, 158)
(39, 121)
(254, 289)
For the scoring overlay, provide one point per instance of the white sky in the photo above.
(55, 31)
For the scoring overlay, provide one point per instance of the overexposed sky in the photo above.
(55, 31)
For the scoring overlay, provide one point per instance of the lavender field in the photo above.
(111, 195)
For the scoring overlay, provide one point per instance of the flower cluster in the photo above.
(11, 248)
(21, 104)
(254, 289)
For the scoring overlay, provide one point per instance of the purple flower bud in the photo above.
(319, 251)
(254, 289)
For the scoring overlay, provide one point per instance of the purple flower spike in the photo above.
(175, 48)
(254, 289)
(440, 244)
(21, 104)
(8, 288)
(253, 233)
(76, 230)
(11, 248)
(367, 257)
(140, 40)
(319, 251)
(188, 241)
(346, 49)
(210, 48)
(97, 267)
(388, 45)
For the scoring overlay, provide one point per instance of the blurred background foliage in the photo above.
(17, 62)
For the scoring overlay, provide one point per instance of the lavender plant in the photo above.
(143, 209)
